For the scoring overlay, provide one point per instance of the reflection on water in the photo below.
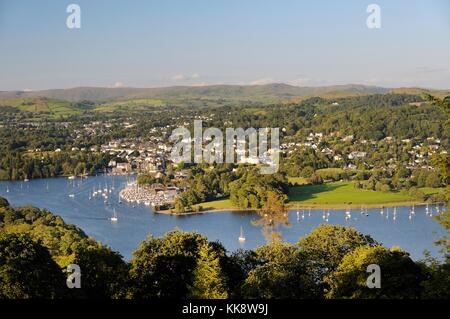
(70, 199)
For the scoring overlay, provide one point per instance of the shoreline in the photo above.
(296, 206)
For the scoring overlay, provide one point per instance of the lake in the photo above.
(70, 200)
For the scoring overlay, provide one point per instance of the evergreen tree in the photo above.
(209, 281)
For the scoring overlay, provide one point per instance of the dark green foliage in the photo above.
(282, 272)
(3, 202)
(27, 269)
(104, 273)
(400, 276)
(251, 189)
(327, 245)
(163, 267)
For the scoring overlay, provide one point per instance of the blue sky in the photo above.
(160, 43)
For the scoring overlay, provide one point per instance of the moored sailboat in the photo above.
(242, 236)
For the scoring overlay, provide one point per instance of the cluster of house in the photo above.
(420, 150)
(133, 156)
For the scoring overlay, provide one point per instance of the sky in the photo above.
(137, 43)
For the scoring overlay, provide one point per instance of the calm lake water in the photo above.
(135, 223)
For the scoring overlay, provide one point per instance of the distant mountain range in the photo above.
(275, 91)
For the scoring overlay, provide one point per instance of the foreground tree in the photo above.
(282, 272)
(400, 276)
(237, 266)
(3, 202)
(27, 269)
(209, 281)
(436, 284)
(164, 267)
(327, 245)
(104, 273)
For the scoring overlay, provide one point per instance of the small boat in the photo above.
(7, 189)
(26, 180)
(242, 237)
(72, 177)
(348, 215)
(114, 217)
(71, 195)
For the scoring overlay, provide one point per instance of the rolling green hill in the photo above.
(74, 101)
(271, 92)
(38, 105)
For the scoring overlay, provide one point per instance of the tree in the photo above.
(282, 272)
(400, 276)
(433, 180)
(3, 202)
(444, 219)
(442, 161)
(163, 267)
(444, 103)
(237, 267)
(209, 282)
(27, 270)
(436, 284)
(327, 245)
(104, 273)
(273, 214)
(315, 179)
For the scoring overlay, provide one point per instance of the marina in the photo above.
(155, 195)
(102, 208)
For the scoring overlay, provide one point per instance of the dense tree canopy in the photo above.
(27, 270)
(327, 245)
(400, 276)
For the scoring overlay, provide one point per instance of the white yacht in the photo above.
(242, 237)
(114, 216)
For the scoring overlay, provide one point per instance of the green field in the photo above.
(343, 194)
(216, 205)
(42, 107)
(129, 104)
(332, 195)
